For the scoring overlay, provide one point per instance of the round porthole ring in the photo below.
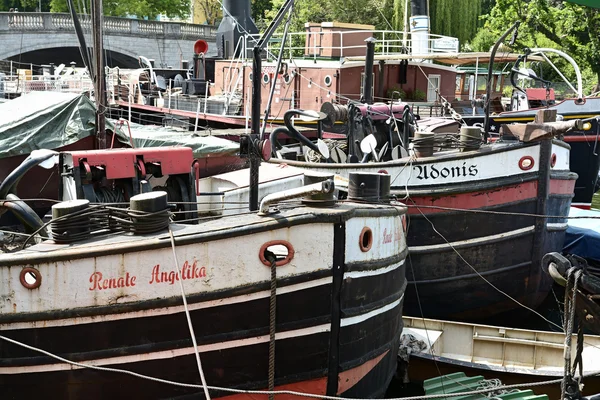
(365, 240)
(523, 160)
(35, 273)
(286, 260)
(328, 80)
(266, 79)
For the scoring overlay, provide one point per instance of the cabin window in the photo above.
(500, 83)
(481, 83)
(458, 83)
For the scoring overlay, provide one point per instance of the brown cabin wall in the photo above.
(311, 92)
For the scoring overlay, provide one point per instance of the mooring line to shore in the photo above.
(276, 392)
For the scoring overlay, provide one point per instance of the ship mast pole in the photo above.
(254, 152)
(99, 83)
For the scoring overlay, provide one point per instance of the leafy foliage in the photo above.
(149, 9)
(374, 12)
(210, 10)
(446, 20)
(572, 28)
(24, 5)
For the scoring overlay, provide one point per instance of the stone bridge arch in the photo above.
(31, 35)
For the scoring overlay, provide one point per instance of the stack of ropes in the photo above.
(446, 141)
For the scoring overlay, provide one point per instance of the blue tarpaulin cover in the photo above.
(583, 235)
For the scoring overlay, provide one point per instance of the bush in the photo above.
(401, 94)
(419, 95)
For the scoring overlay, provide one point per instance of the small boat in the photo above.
(512, 355)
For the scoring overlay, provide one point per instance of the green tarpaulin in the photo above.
(44, 120)
(157, 136)
(49, 120)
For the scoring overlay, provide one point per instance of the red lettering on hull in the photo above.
(187, 272)
(98, 282)
(395, 236)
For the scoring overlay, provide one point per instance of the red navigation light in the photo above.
(200, 46)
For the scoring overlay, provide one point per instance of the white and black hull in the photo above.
(446, 197)
(338, 318)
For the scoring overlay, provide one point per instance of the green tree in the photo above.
(447, 20)
(260, 8)
(572, 28)
(149, 9)
(374, 12)
(210, 9)
(24, 5)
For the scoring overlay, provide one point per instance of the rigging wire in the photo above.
(479, 274)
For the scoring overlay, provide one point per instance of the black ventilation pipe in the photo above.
(370, 58)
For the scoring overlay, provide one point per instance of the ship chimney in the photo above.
(237, 20)
(419, 27)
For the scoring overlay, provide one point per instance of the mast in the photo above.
(256, 102)
(98, 67)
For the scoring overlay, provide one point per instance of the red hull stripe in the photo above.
(346, 380)
(475, 200)
(562, 186)
(582, 206)
(488, 198)
(583, 138)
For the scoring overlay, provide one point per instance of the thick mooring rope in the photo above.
(272, 324)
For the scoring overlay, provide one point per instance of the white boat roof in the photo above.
(452, 58)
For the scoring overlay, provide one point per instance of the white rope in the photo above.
(189, 319)
(266, 392)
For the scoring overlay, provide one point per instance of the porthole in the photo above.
(365, 240)
(526, 163)
(266, 78)
(281, 249)
(30, 278)
(328, 80)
